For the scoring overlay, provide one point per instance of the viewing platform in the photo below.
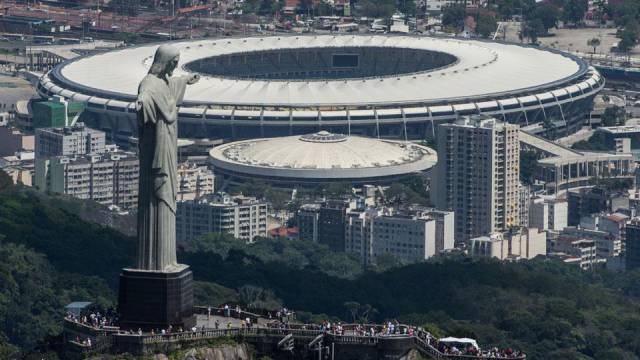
(273, 337)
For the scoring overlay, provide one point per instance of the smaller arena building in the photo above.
(319, 158)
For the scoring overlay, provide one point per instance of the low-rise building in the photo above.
(607, 245)
(20, 167)
(307, 222)
(19, 175)
(243, 217)
(445, 228)
(581, 252)
(632, 251)
(55, 113)
(69, 141)
(377, 232)
(589, 200)
(408, 238)
(332, 218)
(13, 140)
(548, 213)
(194, 181)
(493, 245)
(516, 243)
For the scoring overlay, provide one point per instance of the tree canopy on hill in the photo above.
(543, 307)
(549, 309)
(33, 295)
(70, 244)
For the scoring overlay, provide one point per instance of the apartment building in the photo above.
(477, 175)
(108, 178)
(243, 217)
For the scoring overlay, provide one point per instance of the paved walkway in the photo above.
(210, 322)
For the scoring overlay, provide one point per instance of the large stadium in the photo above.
(383, 86)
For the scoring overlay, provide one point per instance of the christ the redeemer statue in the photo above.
(159, 96)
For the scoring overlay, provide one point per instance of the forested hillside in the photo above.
(49, 257)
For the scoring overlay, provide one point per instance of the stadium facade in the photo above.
(373, 85)
(319, 158)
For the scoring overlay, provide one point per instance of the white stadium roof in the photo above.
(482, 69)
(322, 156)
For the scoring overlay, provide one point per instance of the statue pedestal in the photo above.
(156, 299)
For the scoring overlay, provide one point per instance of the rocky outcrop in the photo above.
(237, 352)
(225, 352)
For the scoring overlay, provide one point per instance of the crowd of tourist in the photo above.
(102, 319)
(85, 342)
(95, 318)
(469, 350)
(390, 328)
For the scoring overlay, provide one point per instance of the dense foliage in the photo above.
(613, 116)
(33, 295)
(549, 309)
(596, 142)
(295, 255)
(70, 244)
(528, 165)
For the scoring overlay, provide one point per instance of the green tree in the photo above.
(594, 43)
(486, 25)
(574, 10)
(453, 16)
(212, 294)
(377, 8)
(532, 29)
(528, 165)
(338, 189)
(509, 8)
(613, 116)
(407, 7)
(352, 308)
(628, 40)
(547, 14)
(595, 142)
(386, 262)
(324, 9)
(5, 181)
(624, 13)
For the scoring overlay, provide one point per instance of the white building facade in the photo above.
(376, 232)
(107, 178)
(194, 181)
(548, 213)
(243, 217)
(477, 175)
(515, 244)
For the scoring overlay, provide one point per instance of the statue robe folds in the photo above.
(157, 133)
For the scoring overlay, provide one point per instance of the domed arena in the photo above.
(319, 158)
(384, 86)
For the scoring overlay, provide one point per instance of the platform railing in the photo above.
(105, 337)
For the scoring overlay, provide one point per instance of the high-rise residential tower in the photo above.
(477, 175)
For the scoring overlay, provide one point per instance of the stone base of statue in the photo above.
(156, 299)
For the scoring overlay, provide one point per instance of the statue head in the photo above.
(165, 61)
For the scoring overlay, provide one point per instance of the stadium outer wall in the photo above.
(562, 108)
(567, 116)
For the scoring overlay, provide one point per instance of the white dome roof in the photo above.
(323, 155)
